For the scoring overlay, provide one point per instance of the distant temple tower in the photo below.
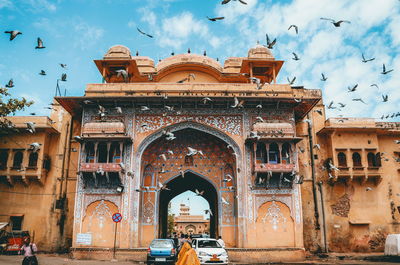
(190, 224)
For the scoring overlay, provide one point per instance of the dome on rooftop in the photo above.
(260, 52)
(118, 52)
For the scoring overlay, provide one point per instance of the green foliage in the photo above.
(170, 229)
(8, 106)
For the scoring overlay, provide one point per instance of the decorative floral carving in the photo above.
(274, 216)
(227, 123)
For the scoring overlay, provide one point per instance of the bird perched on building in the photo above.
(366, 60)
(397, 141)
(270, 44)
(224, 201)
(13, 33)
(100, 171)
(237, 103)
(368, 189)
(144, 33)
(295, 28)
(193, 151)
(119, 110)
(123, 73)
(87, 102)
(170, 152)
(34, 147)
(215, 18)
(31, 127)
(144, 108)
(161, 186)
(78, 138)
(39, 44)
(384, 71)
(227, 178)
(102, 111)
(317, 146)
(254, 135)
(336, 23)
(163, 156)
(122, 165)
(259, 119)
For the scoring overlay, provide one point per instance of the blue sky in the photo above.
(76, 32)
(197, 204)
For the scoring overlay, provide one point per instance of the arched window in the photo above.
(371, 159)
(115, 153)
(342, 160)
(356, 160)
(378, 159)
(102, 153)
(261, 153)
(148, 176)
(3, 159)
(18, 157)
(33, 158)
(228, 173)
(285, 153)
(273, 154)
(89, 153)
(189, 161)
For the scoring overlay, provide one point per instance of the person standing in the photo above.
(29, 249)
(221, 242)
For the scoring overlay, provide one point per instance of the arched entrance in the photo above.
(190, 181)
(213, 170)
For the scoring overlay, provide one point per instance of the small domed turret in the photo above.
(260, 52)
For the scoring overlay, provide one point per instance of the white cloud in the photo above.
(5, 3)
(86, 35)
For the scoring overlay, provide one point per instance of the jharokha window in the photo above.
(261, 155)
(374, 160)
(273, 154)
(18, 157)
(3, 159)
(342, 160)
(33, 158)
(285, 154)
(357, 160)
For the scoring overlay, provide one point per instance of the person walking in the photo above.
(221, 242)
(29, 249)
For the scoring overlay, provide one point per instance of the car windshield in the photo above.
(161, 244)
(208, 244)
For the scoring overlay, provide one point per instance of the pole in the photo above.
(314, 182)
(115, 239)
(323, 216)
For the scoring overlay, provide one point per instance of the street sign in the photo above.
(117, 217)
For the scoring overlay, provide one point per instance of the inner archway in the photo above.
(191, 181)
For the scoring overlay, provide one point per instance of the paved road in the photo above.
(64, 260)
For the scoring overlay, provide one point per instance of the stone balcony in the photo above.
(265, 167)
(26, 175)
(358, 174)
(106, 167)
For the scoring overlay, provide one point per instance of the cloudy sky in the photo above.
(76, 32)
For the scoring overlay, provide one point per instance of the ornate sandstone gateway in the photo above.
(248, 165)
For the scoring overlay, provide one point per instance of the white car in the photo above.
(209, 251)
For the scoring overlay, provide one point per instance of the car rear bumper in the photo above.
(168, 259)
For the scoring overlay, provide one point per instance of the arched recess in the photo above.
(98, 222)
(148, 152)
(274, 226)
(178, 185)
